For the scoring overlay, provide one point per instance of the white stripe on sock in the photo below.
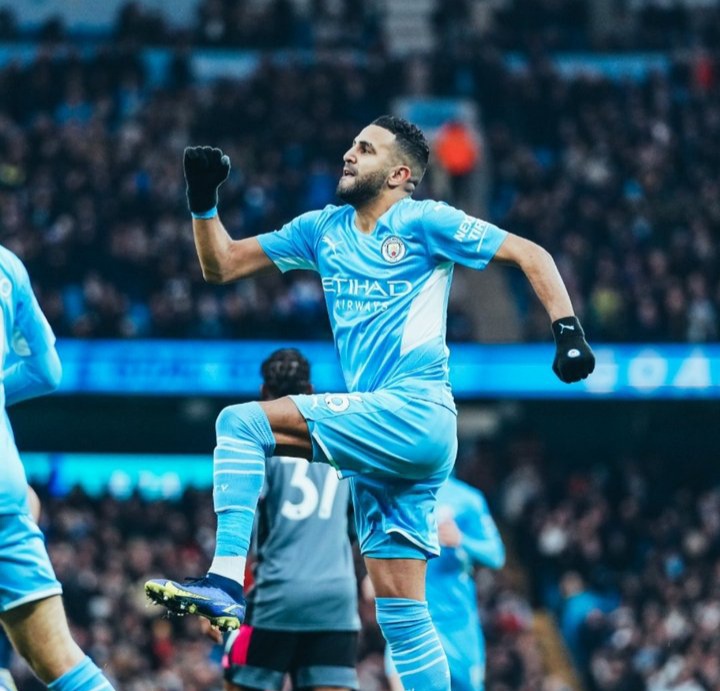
(428, 634)
(424, 667)
(419, 657)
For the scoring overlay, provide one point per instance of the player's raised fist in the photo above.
(206, 168)
(574, 359)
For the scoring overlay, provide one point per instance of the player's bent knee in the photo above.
(245, 422)
(230, 419)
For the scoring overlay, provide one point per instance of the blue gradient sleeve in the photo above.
(452, 235)
(31, 376)
(294, 245)
(32, 366)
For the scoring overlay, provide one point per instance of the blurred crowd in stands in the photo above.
(512, 24)
(627, 555)
(103, 549)
(617, 178)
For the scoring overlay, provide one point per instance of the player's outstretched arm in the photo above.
(574, 360)
(539, 267)
(222, 259)
(32, 376)
(32, 364)
(481, 539)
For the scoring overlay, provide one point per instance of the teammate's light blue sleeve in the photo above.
(32, 376)
(452, 235)
(481, 539)
(32, 365)
(294, 246)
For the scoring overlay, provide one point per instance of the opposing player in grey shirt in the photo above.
(302, 610)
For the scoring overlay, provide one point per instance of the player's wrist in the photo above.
(204, 215)
(567, 329)
(202, 199)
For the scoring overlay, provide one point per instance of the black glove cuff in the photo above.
(201, 200)
(567, 328)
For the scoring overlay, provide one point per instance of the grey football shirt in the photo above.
(304, 576)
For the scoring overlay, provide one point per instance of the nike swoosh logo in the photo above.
(183, 593)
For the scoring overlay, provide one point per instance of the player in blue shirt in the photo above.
(469, 538)
(31, 609)
(386, 263)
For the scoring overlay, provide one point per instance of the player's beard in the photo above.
(363, 190)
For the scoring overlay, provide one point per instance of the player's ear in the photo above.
(400, 176)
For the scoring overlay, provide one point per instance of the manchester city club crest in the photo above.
(393, 249)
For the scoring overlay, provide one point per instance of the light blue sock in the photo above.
(414, 644)
(84, 676)
(244, 441)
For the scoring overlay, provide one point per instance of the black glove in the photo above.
(206, 168)
(574, 359)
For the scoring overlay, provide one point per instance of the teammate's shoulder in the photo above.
(9, 257)
(470, 493)
(11, 264)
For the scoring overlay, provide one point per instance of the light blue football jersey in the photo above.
(450, 585)
(25, 331)
(451, 595)
(387, 291)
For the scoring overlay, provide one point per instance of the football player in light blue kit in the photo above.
(31, 609)
(468, 537)
(386, 262)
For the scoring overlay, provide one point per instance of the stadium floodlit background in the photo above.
(590, 126)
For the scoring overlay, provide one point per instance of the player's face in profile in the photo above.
(366, 166)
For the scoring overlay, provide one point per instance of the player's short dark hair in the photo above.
(411, 141)
(286, 372)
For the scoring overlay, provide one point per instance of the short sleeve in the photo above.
(294, 245)
(452, 235)
(32, 334)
